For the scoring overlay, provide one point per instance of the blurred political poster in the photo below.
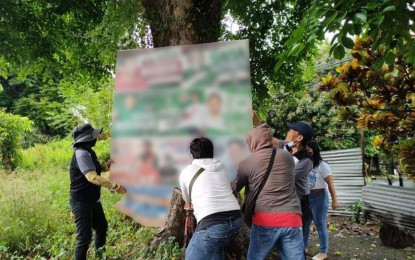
(164, 98)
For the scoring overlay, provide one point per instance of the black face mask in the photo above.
(93, 143)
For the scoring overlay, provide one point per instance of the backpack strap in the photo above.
(271, 163)
(191, 184)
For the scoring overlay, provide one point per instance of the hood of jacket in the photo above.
(259, 137)
(211, 165)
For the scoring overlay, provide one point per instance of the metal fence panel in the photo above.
(393, 204)
(346, 166)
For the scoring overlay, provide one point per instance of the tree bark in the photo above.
(175, 221)
(182, 22)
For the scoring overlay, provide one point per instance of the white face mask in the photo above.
(291, 144)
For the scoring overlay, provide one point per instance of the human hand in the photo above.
(109, 162)
(335, 204)
(275, 142)
(187, 206)
(121, 190)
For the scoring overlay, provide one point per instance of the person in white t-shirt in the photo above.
(319, 178)
(215, 207)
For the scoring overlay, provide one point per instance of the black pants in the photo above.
(305, 209)
(88, 216)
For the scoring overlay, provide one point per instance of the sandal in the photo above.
(319, 257)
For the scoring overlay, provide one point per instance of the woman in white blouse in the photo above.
(319, 178)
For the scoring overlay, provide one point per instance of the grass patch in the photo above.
(55, 156)
(36, 222)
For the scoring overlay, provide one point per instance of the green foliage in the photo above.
(94, 105)
(356, 210)
(56, 155)
(315, 108)
(12, 127)
(54, 48)
(36, 220)
(379, 99)
(267, 24)
(166, 250)
(388, 23)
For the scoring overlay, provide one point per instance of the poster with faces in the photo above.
(166, 97)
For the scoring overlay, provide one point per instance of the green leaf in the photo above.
(361, 16)
(376, 43)
(330, 17)
(339, 52)
(278, 65)
(374, 33)
(347, 42)
(311, 38)
(390, 8)
(296, 49)
(347, 28)
(390, 58)
(332, 48)
(371, 6)
(378, 21)
(378, 63)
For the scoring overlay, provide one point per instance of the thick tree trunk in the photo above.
(181, 22)
(175, 221)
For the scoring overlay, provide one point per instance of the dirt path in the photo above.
(353, 241)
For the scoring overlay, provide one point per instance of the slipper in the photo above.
(317, 257)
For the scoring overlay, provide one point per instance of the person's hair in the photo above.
(201, 148)
(316, 153)
(88, 144)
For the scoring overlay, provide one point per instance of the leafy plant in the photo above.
(377, 97)
(356, 210)
(165, 251)
(12, 127)
(388, 23)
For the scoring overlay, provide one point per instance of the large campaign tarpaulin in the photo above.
(164, 98)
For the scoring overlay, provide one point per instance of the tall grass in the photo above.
(35, 219)
(56, 155)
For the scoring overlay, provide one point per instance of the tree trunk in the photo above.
(175, 221)
(181, 22)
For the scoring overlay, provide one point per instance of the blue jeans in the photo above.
(288, 241)
(209, 243)
(319, 205)
(88, 216)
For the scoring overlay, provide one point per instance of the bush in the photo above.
(36, 221)
(56, 155)
(12, 128)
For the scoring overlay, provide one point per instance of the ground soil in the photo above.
(357, 241)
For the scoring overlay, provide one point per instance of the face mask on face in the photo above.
(291, 144)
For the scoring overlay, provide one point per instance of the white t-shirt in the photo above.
(211, 192)
(317, 175)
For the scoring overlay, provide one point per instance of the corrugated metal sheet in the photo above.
(346, 166)
(393, 204)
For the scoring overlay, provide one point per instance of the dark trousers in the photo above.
(305, 210)
(88, 216)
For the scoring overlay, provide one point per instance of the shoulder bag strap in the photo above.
(271, 163)
(191, 184)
